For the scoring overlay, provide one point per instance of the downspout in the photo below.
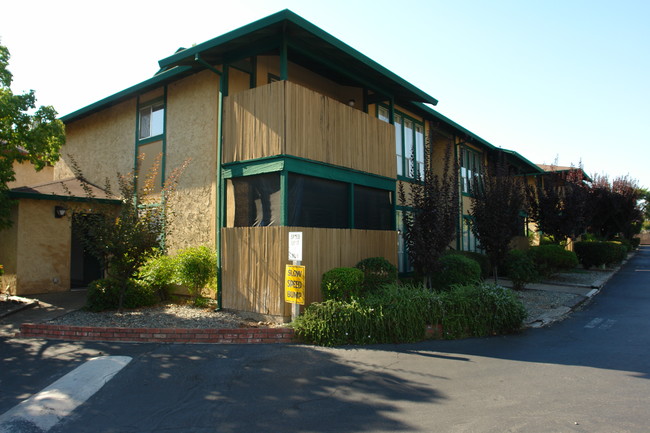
(219, 216)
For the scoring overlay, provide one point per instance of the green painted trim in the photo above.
(309, 168)
(284, 58)
(55, 197)
(351, 205)
(163, 163)
(284, 198)
(221, 188)
(128, 93)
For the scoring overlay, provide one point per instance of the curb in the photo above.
(25, 303)
(159, 335)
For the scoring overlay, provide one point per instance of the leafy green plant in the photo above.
(482, 259)
(196, 269)
(520, 268)
(157, 273)
(377, 272)
(456, 269)
(104, 295)
(342, 284)
(599, 253)
(550, 259)
(400, 313)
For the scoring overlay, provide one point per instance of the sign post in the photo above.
(294, 276)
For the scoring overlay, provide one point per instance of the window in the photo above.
(316, 202)
(470, 169)
(373, 208)
(254, 201)
(469, 242)
(409, 144)
(152, 120)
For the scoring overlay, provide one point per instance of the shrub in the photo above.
(456, 269)
(635, 242)
(157, 273)
(520, 268)
(104, 295)
(550, 259)
(342, 284)
(399, 313)
(377, 272)
(599, 253)
(482, 259)
(196, 269)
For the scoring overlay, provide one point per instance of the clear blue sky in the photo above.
(565, 79)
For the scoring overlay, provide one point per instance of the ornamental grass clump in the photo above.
(401, 313)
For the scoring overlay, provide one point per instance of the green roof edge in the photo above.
(125, 94)
(288, 15)
(486, 143)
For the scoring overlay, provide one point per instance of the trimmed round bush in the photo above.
(342, 284)
(456, 269)
(520, 268)
(377, 272)
(481, 259)
(550, 259)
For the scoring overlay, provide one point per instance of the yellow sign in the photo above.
(294, 284)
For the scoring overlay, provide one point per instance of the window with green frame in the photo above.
(469, 241)
(409, 143)
(471, 162)
(151, 120)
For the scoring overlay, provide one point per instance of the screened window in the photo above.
(470, 169)
(254, 201)
(469, 241)
(373, 208)
(152, 120)
(316, 202)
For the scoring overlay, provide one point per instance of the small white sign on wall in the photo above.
(295, 246)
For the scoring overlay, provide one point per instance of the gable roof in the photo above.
(307, 45)
(70, 189)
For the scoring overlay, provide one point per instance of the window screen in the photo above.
(255, 200)
(373, 208)
(315, 202)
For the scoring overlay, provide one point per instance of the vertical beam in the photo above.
(284, 58)
(284, 199)
(351, 205)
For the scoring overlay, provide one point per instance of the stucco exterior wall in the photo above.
(192, 108)
(43, 254)
(102, 144)
(26, 175)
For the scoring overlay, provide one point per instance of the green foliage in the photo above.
(599, 253)
(398, 314)
(550, 259)
(456, 269)
(634, 243)
(342, 284)
(158, 273)
(105, 294)
(616, 207)
(196, 269)
(377, 272)
(481, 259)
(431, 225)
(520, 268)
(25, 134)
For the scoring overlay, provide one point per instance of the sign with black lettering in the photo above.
(294, 284)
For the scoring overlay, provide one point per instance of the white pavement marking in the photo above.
(46, 408)
(594, 323)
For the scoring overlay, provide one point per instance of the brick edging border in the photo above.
(159, 335)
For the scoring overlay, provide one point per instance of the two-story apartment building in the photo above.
(287, 129)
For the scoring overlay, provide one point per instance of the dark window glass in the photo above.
(315, 202)
(373, 208)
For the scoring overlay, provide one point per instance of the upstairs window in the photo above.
(152, 120)
(409, 144)
(470, 169)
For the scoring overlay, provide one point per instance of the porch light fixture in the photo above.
(351, 102)
(59, 211)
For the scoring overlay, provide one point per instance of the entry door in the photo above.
(84, 267)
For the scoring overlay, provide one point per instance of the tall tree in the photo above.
(497, 202)
(616, 207)
(559, 204)
(35, 137)
(431, 225)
